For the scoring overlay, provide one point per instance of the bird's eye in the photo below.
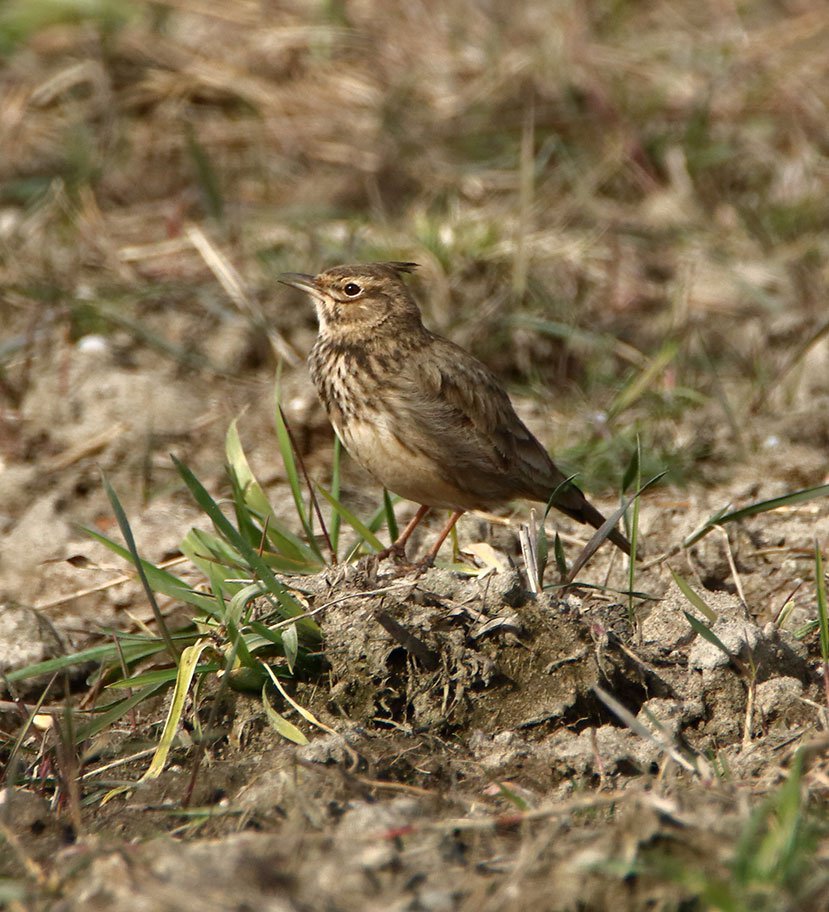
(352, 289)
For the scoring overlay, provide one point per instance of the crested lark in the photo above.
(428, 420)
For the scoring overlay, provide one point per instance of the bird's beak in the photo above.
(301, 281)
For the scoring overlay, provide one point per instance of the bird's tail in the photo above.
(573, 502)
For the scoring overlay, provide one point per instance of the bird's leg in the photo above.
(429, 559)
(398, 548)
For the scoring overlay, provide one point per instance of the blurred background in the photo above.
(620, 207)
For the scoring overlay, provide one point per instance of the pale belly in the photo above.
(410, 474)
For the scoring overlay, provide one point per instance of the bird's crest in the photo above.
(401, 268)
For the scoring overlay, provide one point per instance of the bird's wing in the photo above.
(463, 417)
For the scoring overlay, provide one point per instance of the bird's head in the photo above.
(359, 301)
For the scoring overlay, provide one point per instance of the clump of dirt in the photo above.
(473, 749)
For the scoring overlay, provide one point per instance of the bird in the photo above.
(420, 414)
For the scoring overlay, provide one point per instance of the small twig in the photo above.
(514, 819)
(102, 587)
(119, 762)
(737, 581)
(662, 741)
(749, 721)
(660, 559)
(11, 705)
(86, 448)
(528, 538)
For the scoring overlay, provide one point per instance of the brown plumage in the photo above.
(428, 420)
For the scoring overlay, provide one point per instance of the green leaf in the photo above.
(359, 527)
(279, 723)
(707, 634)
(252, 500)
(763, 506)
(115, 712)
(160, 580)
(693, 597)
(290, 645)
(336, 519)
(391, 519)
(287, 602)
(186, 670)
(560, 558)
(289, 460)
(242, 598)
(126, 531)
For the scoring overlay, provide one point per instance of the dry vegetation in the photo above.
(619, 206)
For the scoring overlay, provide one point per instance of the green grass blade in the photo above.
(270, 636)
(635, 478)
(601, 534)
(551, 501)
(242, 599)
(287, 602)
(206, 178)
(160, 580)
(379, 517)
(336, 519)
(279, 723)
(252, 500)
(106, 652)
(286, 450)
(391, 519)
(115, 712)
(693, 597)
(359, 527)
(560, 558)
(762, 506)
(706, 633)
(160, 676)
(542, 551)
(126, 531)
(642, 382)
(133, 648)
(208, 552)
(625, 593)
(633, 470)
(186, 670)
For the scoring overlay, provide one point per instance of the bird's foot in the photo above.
(396, 551)
(421, 566)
